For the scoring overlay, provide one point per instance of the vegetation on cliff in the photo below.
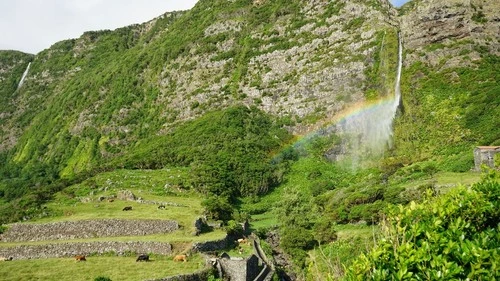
(217, 92)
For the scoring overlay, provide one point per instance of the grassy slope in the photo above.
(148, 184)
(116, 268)
(447, 113)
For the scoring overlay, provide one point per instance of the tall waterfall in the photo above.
(24, 76)
(397, 89)
(368, 132)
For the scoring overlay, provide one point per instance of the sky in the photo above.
(33, 25)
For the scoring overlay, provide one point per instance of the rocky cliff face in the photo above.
(434, 31)
(304, 61)
(12, 66)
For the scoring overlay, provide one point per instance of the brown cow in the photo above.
(242, 241)
(80, 258)
(181, 258)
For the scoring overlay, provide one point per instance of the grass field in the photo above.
(116, 268)
(81, 202)
(185, 214)
(445, 180)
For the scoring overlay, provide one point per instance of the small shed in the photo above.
(485, 155)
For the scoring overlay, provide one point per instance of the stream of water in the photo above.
(24, 76)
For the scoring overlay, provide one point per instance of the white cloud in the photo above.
(33, 25)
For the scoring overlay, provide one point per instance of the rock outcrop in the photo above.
(437, 31)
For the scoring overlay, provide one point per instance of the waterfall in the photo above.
(24, 76)
(397, 88)
(367, 133)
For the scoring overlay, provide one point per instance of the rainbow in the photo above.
(361, 110)
(365, 127)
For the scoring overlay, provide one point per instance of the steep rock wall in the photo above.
(434, 31)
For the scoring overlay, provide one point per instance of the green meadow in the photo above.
(116, 268)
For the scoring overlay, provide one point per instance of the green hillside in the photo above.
(227, 110)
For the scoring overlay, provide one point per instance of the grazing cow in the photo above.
(80, 258)
(181, 258)
(6, 259)
(128, 208)
(242, 241)
(161, 207)
(143, 257)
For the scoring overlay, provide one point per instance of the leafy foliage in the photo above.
(442, 121)
(454, 236)
(228, 151)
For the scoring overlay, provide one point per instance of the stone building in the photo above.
(485, 155)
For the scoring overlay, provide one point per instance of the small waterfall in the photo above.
(24, 76)
(368, 132)
(397, 89)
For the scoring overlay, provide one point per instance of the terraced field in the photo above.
(88, 218)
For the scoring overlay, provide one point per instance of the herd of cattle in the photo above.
(129, 208)
(141, 257)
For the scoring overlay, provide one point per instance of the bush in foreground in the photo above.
(452, 237)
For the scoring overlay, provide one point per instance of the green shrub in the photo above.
(452, 237)
(324, 231)
(234, 228)
(218, 208)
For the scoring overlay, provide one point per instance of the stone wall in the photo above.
(234, 268)
(197, 276)
(216, 245)
(60, 250)
(485, 155)
(86, 229)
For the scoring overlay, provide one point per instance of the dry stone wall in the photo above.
(86, 229)
(202, 275)
(60, 250)
(216, 245)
